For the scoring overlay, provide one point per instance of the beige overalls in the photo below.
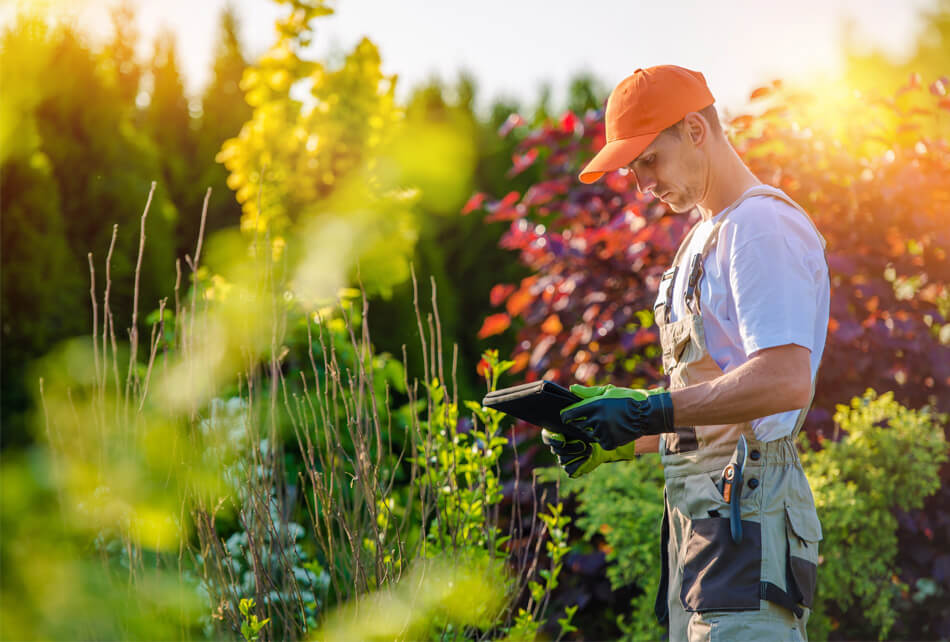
(713, 588)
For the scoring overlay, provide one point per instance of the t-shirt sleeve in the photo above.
(774, 281)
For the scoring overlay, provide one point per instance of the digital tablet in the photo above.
(539, 403)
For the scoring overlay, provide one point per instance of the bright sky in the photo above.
(513, 46)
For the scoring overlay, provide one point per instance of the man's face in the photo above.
(670, 169)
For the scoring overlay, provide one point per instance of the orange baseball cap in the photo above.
(642, 106)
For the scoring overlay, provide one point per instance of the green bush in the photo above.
(624, 502)
(889, 459)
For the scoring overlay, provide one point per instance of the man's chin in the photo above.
(678, 206)
(675, 205)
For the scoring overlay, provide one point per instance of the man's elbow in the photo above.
(790, 370)
(799, 391)
(798, 376)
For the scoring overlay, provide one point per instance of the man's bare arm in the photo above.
(773, 380)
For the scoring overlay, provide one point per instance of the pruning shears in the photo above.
(730, 485)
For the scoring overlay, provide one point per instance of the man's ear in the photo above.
(696, 128)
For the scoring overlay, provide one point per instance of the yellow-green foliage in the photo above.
(889, 459)
(329, 155)
(26, 54)
(54, 587)
(437, 599)
(252, 625)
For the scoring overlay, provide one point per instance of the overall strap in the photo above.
(685, 244)
(662, 308)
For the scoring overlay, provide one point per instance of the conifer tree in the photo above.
(223, 112)
(171, 126)
(120, 55)
(77, 166)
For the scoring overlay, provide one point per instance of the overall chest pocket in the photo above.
(683, 341)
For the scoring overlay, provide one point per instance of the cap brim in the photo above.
(614, 155)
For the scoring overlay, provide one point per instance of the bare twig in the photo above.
(133, 377)
(160, 326)
(95, 314)
(106, 312)
(201, 233)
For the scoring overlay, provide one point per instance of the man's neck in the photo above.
(727, 179)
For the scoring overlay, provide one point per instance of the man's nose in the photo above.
(645, 182)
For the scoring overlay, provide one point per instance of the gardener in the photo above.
(742, 314)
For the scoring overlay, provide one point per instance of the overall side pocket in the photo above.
(804, 533)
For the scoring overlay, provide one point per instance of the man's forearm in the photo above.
(772, 381)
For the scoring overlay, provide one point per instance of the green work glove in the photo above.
(578, 457)
(614, 417)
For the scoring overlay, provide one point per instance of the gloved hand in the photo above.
(578, 457)
(615, 416)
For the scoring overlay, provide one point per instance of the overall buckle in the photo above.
(695, 269)
(669, 275)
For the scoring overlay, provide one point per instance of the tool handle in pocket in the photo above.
(731, 488)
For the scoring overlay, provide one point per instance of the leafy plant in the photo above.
(461, 468)
(251, 626)
(346, 163)
(596, 254)
(889, 460)
(623, 503)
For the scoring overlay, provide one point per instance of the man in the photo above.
(742, 314)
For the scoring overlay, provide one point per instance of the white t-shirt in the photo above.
(765, 284)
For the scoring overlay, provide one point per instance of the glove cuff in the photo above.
(661, 413)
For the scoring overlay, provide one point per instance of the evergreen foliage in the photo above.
(76, 183)
(223, 113)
